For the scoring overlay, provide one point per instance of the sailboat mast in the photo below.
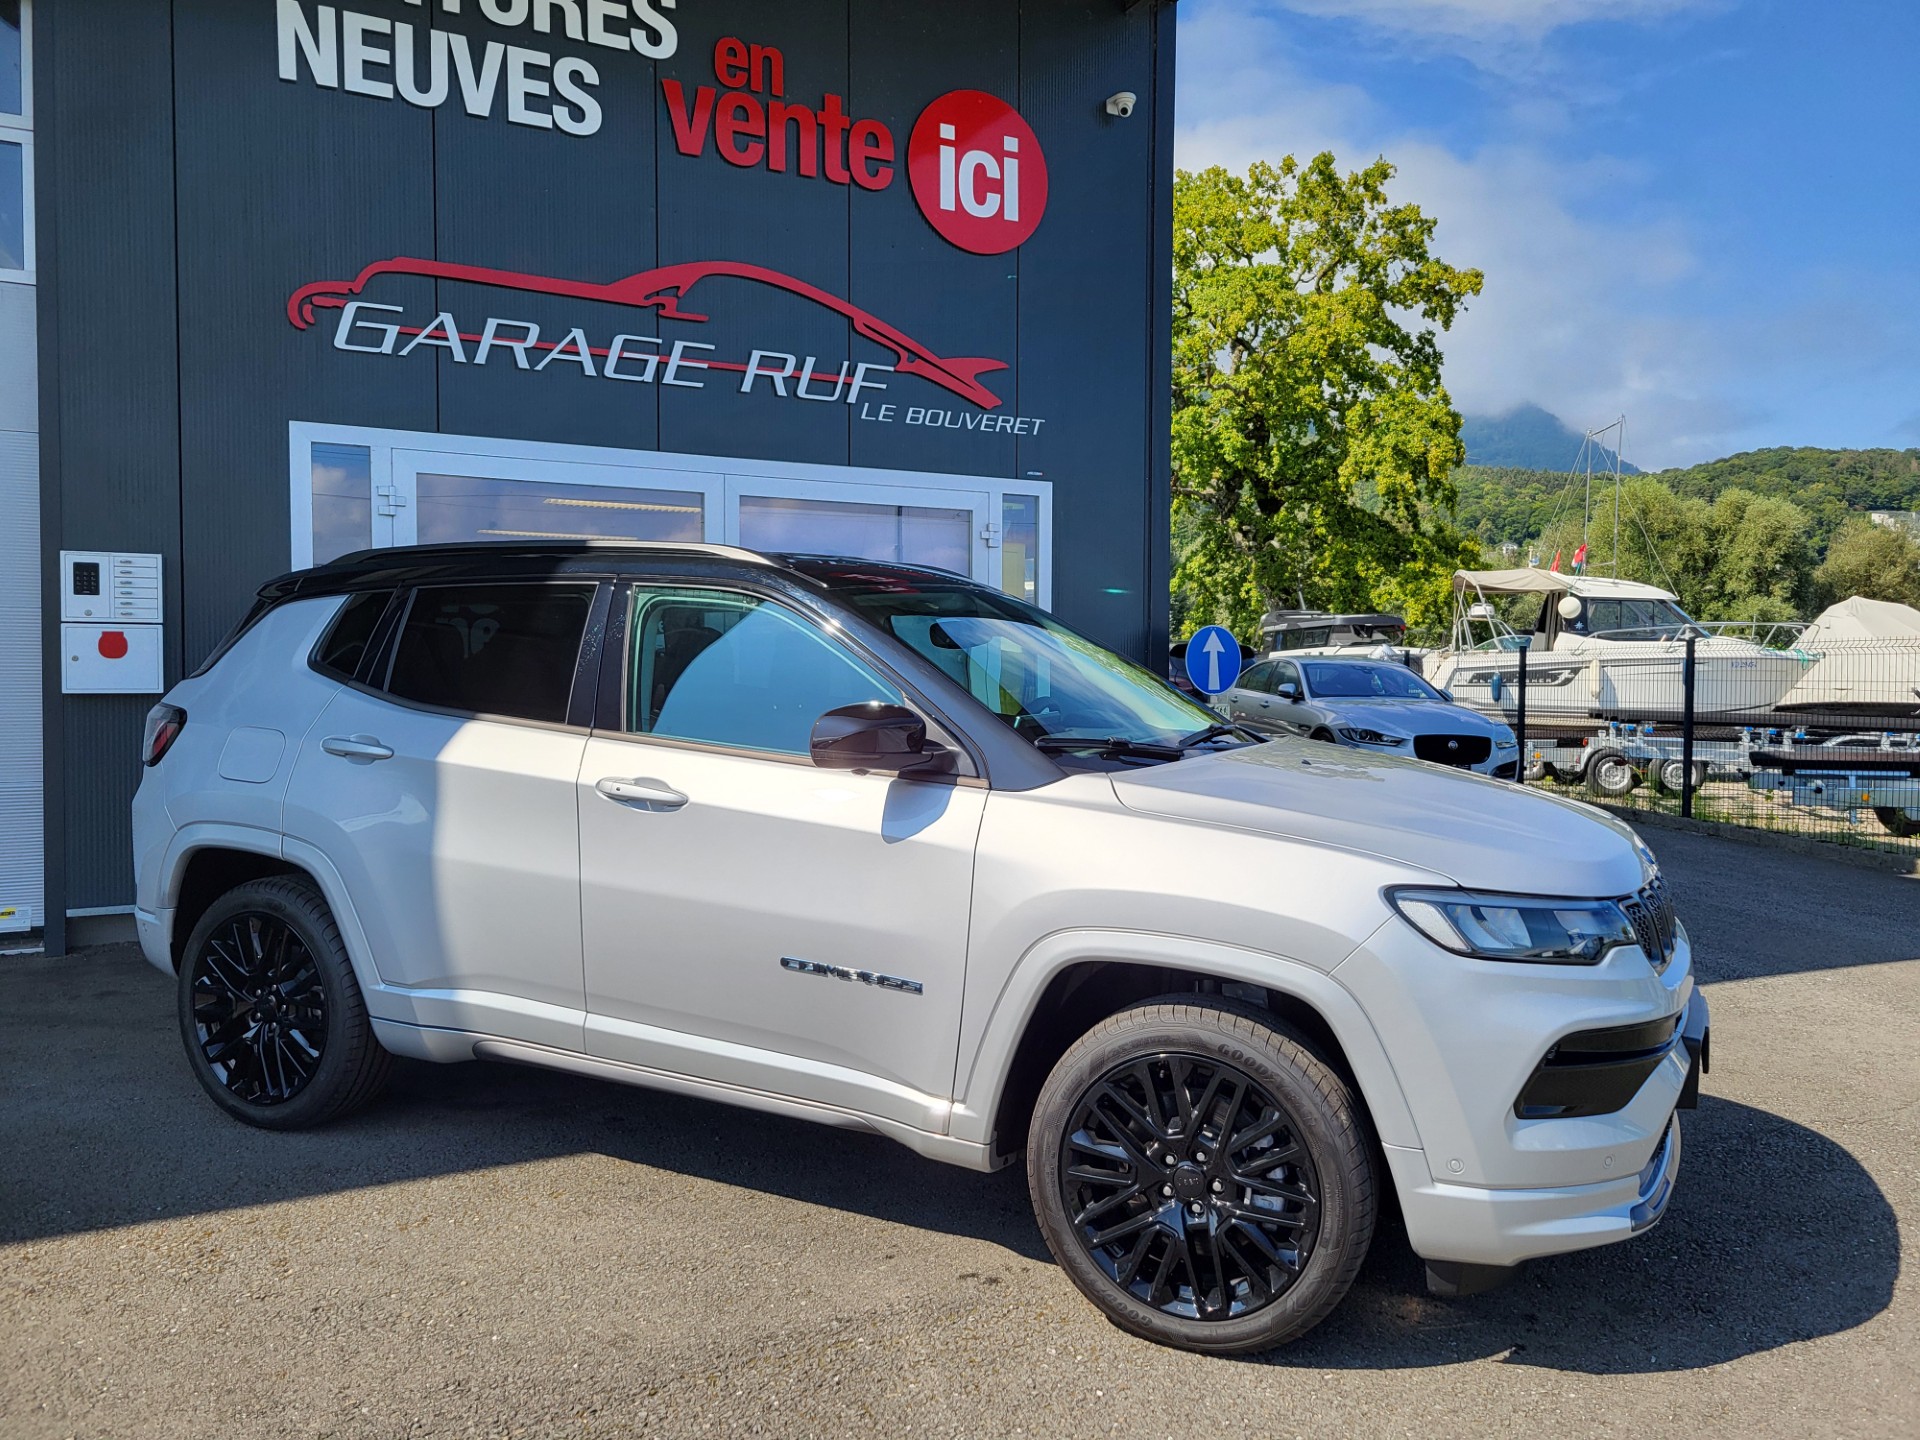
(1619, 444)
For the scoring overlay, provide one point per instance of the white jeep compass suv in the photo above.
(880, 847)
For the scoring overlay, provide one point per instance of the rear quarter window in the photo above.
(344, 647)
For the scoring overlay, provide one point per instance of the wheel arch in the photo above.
(206, 862)
(1069, 983)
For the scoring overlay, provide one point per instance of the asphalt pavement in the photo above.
(502, 1252)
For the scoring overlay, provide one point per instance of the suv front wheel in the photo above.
(1202, 1176)
(273, 1020)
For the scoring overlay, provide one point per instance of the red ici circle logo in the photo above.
(977, 172)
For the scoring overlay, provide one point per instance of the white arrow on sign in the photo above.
(1213, 649)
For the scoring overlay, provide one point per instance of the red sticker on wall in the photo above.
(113, 644)
(977, 172)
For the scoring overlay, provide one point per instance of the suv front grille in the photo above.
(1655, 926)
(1452, 749)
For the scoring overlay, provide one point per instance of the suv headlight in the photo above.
(1516, 927)
(1359, 736)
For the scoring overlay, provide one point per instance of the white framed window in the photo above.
(16, 142)
(356, 487)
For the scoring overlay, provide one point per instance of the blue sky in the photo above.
(1704, 214)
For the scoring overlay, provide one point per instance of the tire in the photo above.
(1609, 774)
(1091, 1158)
(1670, 775)
(1896, 821)
(306, 1053)
(1324, 735)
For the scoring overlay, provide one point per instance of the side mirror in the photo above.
(876, 736)
(1289, 691)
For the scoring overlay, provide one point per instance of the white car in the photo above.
(1370, 705)
(881, 848)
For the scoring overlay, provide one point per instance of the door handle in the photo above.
(1266, 704)
(356, 747)
(642, 794)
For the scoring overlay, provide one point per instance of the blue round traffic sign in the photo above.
(1213, 659)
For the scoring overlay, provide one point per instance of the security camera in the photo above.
(1121, 105)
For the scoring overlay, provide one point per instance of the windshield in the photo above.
(1348, 681)
(1632, 620)
(1034, 673)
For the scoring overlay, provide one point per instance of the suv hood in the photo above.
(1486, 834)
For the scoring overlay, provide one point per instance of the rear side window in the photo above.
(492, 649)
(346, 640)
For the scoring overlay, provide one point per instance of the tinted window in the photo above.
(345, 644)
(1301, 639)
(492, 649)
(1258, 677)
(735, 670)
(1285, 673)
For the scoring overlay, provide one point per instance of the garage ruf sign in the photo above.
(977, 171)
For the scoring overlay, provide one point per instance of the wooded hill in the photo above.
(1768, 535)
(1499, 505)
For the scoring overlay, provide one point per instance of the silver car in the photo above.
(1370, 705)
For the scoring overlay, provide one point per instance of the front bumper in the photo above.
(1478, 1225)
(1487, 1185)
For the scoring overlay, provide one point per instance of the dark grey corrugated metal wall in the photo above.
(185, 190)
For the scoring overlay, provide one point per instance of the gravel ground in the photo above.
(501, 1252)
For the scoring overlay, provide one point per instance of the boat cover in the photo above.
(1535, 581)
(1869, 660)
(1862, 619)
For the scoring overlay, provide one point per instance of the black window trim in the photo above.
(377, 668)
(610, 708)
(376, 638)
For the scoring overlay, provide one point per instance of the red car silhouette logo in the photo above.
(665, 290)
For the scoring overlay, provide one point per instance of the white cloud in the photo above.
(1488, 19)
(1583, 312)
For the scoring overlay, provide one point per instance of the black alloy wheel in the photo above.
(274, 1023)
(259, 1009)
(1202, 1175)
(1190, 1187)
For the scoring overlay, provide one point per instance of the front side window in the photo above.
(1286, 673)
(498, 649)
(1259, 677)
(1344, 680)
(1035, 674)
(723, 668)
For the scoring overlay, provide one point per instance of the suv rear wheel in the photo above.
(273, 1020)
(1202, 1176)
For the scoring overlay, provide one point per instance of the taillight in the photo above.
(164, 724)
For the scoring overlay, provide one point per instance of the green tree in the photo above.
(1312, 438)
(1876, 561)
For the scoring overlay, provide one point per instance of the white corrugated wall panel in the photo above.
(22, 859)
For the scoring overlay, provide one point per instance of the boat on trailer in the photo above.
(1604, 648)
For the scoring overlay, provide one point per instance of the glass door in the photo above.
(906, 524)
(440, 498)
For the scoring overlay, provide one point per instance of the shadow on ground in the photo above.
(1777, 1234)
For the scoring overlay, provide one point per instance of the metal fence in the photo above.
(1834, 755)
